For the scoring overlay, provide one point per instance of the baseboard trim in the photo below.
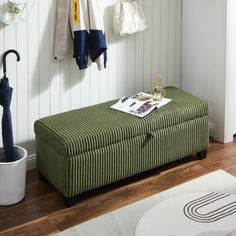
(31, 162)
(211, 129)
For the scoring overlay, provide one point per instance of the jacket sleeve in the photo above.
(63, 36)
(80, 30)
(102, 61)
(97, 47)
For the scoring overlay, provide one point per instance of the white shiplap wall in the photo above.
(43, 86)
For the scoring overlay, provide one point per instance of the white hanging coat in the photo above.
(80, 32)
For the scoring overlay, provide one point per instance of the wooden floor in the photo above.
(42, 212)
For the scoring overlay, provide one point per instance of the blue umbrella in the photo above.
(5, 101)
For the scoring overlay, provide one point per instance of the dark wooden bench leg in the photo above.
(70, 201)
(202, 155)
(41, 177)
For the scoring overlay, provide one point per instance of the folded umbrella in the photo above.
(5, 101)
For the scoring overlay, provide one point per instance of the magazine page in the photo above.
(140, 104)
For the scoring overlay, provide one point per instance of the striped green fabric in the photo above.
(83, 130)
(98, 167)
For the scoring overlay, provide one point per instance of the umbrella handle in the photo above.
(4, 57)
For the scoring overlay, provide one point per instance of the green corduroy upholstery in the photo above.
(87, 148)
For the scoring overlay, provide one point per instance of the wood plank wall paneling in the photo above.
(44, 86)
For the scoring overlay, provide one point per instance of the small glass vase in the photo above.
(158, 93)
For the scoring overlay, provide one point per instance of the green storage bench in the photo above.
(84, 149)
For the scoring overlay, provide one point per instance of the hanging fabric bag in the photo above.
(128, 18)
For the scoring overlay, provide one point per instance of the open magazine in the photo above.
(140, 104)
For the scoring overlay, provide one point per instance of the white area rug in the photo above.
(123, 222)
(197, 214)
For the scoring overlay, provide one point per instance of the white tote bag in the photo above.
(128, 18)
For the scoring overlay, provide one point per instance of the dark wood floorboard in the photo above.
(41, 227)
(42, 212)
